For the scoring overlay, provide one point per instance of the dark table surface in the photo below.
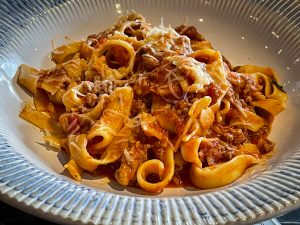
(12, 216)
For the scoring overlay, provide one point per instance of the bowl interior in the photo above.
(242, 33)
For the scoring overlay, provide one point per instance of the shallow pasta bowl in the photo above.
(32, 177)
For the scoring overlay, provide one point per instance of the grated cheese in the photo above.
(194, 69)
(128, 157)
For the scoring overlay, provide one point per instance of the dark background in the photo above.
(12, 216)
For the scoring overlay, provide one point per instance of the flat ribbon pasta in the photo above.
(74, 169)
(66, 52)
(73, 97)
(98, 61)
(275, 101)
(112, 119)
(215, 66)
(252, 121)
(53, 131)
(27, 77)
(194, 112)
(221, 174)
(164, 170)
(79, 153)
(189, 151)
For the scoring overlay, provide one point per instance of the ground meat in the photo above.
(103, 87)
(261, 133)
(213, 152)
(239, 136)
(182, 108)
(236, 79)
(260, 139)
(130, 162)
(250, 87)
(147, 59)
(244, 86)
(233, 113)
(91, 100)
(191, 32)
(266, 146)
(86, 87)
(214, 92)
(232, 135)
(156, 82)
(138, 106)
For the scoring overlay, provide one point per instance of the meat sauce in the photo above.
(210, 153)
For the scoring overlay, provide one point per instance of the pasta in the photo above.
(155, 105)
